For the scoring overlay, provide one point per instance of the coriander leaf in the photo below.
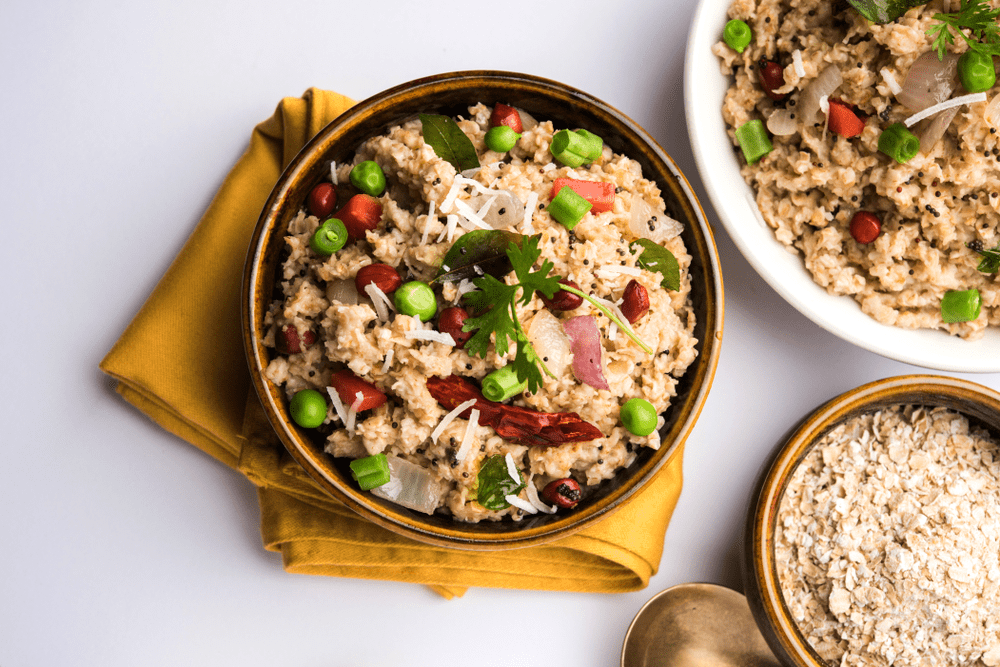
(493, 301)
(494, 483)
(978, 18)
(522, 259)
(482, 248)
(526, 364)
(444, 135)
(655, 257)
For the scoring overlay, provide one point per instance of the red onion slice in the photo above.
(929, 81)
(936, 129)
(585, 340)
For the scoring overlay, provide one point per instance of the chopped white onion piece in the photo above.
(549, 167)
(781, 123)
(338, 404)
(800, 69)
(333, 172)
(412, 486)
(971, 98)
(388, 360)
(529, 212)
(434, 336)
(890, 80)
(469, 437)
(469, 173)
(512, 469)
(449, 418)
(604, 274)
(824, 103)
(352, 414)
(535, 501)
(523, 505)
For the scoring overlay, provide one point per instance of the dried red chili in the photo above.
(521, 425)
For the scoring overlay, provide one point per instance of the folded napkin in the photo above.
(181, 362)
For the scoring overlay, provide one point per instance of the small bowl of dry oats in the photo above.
(874, 536)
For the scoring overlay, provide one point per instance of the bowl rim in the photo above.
(732, 200)
(759, 563)
(456, 537)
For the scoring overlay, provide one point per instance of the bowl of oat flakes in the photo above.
(504, 326)
(921, 228)
(874, 537)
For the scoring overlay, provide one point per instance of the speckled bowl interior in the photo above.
(980, 404)
(452, 94)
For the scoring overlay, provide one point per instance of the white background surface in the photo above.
(123, 545)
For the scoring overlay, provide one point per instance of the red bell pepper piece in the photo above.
(521, 425)
(506, 115)
(843, 120)
(348, 385)
(360, 213)
(600, 194)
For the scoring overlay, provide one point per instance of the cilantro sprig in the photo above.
(978, 18)
(990, 262)
(495, 303)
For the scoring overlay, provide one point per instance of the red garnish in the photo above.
(322, 200)
(506, 115)
(843, 120)
(563, 300)
(585, 341)
(360, 213)
(348, 385)
(601, 195)
(635, 301)
(521, 425)
(289, 341)
(382, 276)
(563, 492)
(450, 321)
(865, 227)
(772, 77)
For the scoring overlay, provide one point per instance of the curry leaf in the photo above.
(494, 483)
(444, 135)
(485, 249)
(883, 11)
(991, 258)
(655, 257)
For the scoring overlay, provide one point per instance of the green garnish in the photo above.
(477, 252)
(495, 303)
(658, 259)
(883, 11)
(370, 471)
(991, 258)
(444, 135)
(978, 18)
(494, 482)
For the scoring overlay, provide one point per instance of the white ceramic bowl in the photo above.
(704, 88)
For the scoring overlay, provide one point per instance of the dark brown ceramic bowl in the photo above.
(980, 404)
(452, 94)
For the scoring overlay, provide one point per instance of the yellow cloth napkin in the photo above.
(181, 362)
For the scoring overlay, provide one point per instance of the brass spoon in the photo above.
(696, 625)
